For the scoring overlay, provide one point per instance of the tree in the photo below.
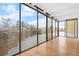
(5, 22)
(33, 30)
(24, 26)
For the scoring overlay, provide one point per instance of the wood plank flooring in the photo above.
(60, 46)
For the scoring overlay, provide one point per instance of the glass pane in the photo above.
(9, 33)
(53, 28)
(28, 27)
(41, 28)
(76, 28)
(49, 28)
(56, 28)
(70, 28)
(62, 28)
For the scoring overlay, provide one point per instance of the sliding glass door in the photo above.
(41, 28)
(28, 27)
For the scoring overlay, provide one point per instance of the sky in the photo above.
(28, 15)
(9, 11)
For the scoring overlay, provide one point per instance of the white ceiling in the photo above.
(61, 11)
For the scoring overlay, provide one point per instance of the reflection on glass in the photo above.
(76, 28)
(28, 27)
(53, 28)
(49, 28)
(41, 28)
(62, 28)
(70, 28)
(9, 33)
(56, 28)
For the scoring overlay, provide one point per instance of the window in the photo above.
(56, 24)
(41, 28)
(62, 28)
(49, 28)
(32, 31)
(76, 28)
(9, 30)
(72, 29)
(54, 29)
(28, 27)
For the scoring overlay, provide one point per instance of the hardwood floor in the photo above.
(60, 46)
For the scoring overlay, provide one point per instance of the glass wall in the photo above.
(56, 24)
(72, 29)
(9, 31)
(41, 28)
(76, 28)
(54, 29)
(28, 27)
(49, 28)
(68, 28)
(62, 28)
